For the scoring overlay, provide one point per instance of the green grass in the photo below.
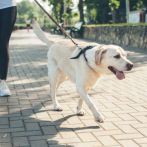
(93, 25)
(24, 25)
(20, 25)
(120, 24)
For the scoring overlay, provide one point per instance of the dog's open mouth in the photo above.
(119, 74)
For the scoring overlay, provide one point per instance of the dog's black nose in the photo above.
(130, 66)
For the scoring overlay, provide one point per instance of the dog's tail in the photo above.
(40, 34)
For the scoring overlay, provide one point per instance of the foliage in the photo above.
(114, 4)
(26, 9)
(101, 9)
(65, 15)
(98, 11)
(58, 8)
(139, 5)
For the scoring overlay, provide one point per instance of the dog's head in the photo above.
(113, 58)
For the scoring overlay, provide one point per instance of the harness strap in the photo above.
(83, 52)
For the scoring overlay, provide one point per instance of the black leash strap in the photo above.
(59, 25)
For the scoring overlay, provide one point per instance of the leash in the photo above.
(59, 26)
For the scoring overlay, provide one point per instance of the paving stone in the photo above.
(58, 145)
(109, 126)
(106, 133)
(12, 130)
(87, 137)
(45, 137)
(87, 144)
(40, 143)
(4, 126)
(5, 145)
(42, 115)
(20, 141)
(16, 124)
(128, 136)
(143, 145)
(32, 126)
(128, 143)
(63, 141)
(107, 141)
(67, 134)
(27, 112)
(27, 133)
(49, 130)
(143, 131)
(127, 129)
(4, 121)
(126, 116)
(5, 137)
(141, 140)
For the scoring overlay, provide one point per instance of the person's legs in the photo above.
(7, 20)
(28, 28)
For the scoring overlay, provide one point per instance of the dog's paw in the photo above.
(99, 118)
(58, 108)
(81, 112)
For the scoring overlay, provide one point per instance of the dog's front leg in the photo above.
(83, 93)
(80, 110)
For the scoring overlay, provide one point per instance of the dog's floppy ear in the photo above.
(98, 54)
(122, 51)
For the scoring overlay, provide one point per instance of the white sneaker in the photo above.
(4, 90)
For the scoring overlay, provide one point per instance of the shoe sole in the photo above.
(8, 94)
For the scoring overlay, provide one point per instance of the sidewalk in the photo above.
(27, 117)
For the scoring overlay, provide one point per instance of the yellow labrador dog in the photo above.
(101, 59)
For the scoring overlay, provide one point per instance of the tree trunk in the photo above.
(115, 16)
(81, 10)
(61, 11)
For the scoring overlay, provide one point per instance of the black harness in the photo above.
(83, 52)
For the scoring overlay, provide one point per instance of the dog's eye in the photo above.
(117, 56)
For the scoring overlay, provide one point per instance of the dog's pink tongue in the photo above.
(120, 75)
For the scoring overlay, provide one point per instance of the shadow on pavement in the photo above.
(25, 115)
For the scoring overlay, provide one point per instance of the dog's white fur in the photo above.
(84, 75)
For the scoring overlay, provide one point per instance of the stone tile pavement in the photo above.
(27, 117)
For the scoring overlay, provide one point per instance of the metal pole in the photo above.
(64, 11)
(127, 10)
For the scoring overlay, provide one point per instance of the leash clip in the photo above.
(79, 47)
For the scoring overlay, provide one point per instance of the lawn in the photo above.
(120, 24)
(94, 25)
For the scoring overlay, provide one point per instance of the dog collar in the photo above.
(83, 52)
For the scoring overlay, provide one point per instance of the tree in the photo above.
(58, 8)
(26, 9)
(80, 7)
(114, 5)
(139, 5)
(102, 9)
(145, 3)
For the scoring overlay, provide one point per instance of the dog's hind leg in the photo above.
(80, 110)
(54, 74)
(62, 78)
